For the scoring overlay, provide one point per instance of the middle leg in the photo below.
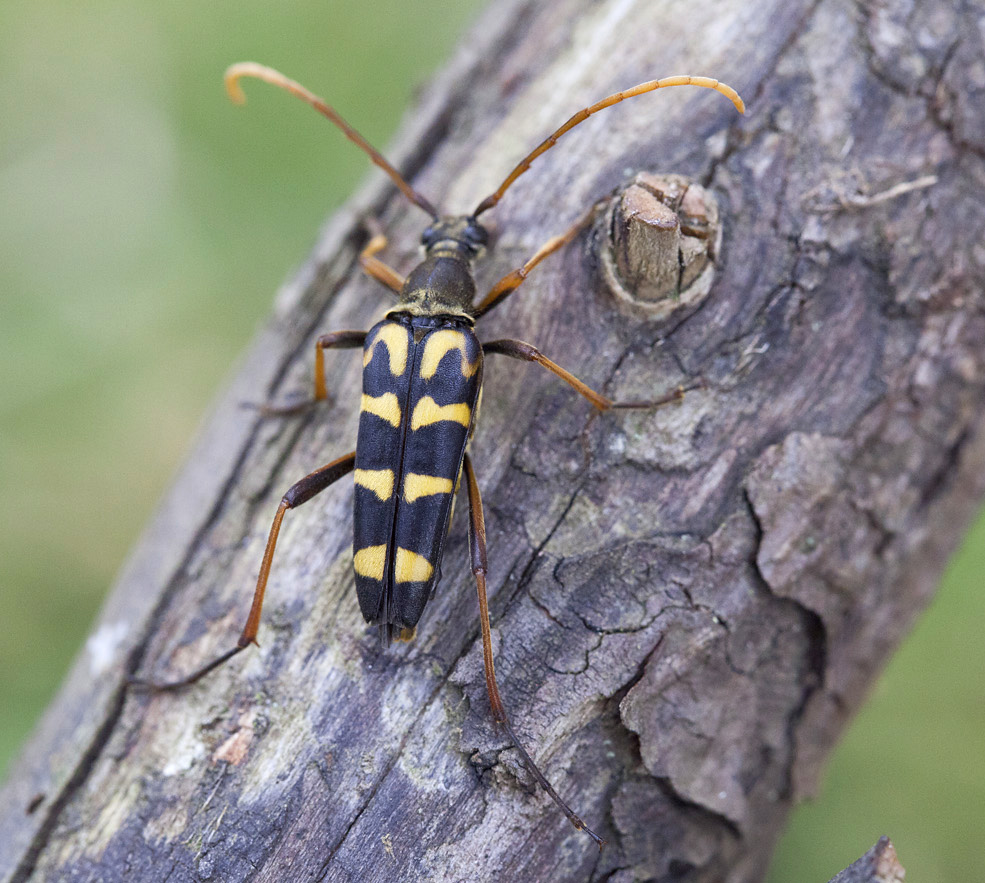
(517, 349)
(333, 340)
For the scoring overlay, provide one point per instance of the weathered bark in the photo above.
(688, 605)
(878, 865)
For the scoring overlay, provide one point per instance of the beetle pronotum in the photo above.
(422, 376)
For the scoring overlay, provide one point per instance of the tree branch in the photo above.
(688, 605)
(878, 865)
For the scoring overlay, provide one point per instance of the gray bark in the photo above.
(688, 605)
(878, 865)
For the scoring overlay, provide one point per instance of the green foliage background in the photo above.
(144, 224)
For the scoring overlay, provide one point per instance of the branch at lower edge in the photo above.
(878, 865)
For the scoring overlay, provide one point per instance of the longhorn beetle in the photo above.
(422, 376)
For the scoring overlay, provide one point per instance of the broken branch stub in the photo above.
(664, 235)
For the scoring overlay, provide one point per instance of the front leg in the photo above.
(513, 280)
(373, 266)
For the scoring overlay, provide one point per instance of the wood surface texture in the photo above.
(688, 605)
(879, 865)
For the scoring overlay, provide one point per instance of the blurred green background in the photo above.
(145, 223)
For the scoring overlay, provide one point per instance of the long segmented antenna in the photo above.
(582, 115)
(276, 78)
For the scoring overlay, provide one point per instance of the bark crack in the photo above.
(815, 654)
(928, 89)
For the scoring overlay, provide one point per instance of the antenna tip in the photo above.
(232, 77)
(731, 95)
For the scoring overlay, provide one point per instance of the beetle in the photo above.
(422, 380)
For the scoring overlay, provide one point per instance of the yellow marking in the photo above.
(379, 481)
(438, 345)
(411, 567)
(428, 411)
(369, 562)
(417, 485)
(386, 406)
(394, 338)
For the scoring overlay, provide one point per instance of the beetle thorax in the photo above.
(443, 283)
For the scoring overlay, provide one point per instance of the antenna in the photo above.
(261, 72)
(585, 113)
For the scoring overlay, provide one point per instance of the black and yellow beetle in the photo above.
(422, 379)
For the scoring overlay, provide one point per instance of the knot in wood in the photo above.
(663, 238)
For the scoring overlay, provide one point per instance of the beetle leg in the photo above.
(334, 340)
(512, 281)
(477, 551)
(299, 493)
(517, 349)
(373, 266)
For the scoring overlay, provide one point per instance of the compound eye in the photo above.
(476, 235)
(427, 237)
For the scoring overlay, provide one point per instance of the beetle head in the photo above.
(459, 234)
